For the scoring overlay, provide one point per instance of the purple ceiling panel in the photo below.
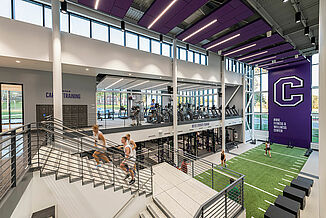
(279, 62)
(116, 8)
(247, 32)
(226, 16)
(287, 65)
(176, 14)
(253, 46)
(266, 52)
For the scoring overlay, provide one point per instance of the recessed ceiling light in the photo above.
(18, 62)
(221, 42)
(87, 69)
(199, 30)
(130, 74)
(160, 77)
(261, 60)
(114, 83)
(162, 13)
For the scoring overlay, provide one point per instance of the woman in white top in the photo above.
(99, 143)
(268, 149)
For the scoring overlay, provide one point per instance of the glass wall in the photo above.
(315, 98)
(261, 99)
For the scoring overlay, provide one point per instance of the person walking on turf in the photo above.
(268, 148)
(223, 159)
(133, 146)
(129, 154)
(100, 144)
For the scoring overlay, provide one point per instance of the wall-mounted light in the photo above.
(63, 7)
(123, 26)
(298, 17)
(269, 34)
(313, 40)
(306, 31)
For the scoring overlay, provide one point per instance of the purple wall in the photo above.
(289, 105)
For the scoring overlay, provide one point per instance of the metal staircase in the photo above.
(53, 149)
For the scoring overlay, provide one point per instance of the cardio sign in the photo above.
(287, 91)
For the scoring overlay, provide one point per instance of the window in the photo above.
(131, 40)
(315, 129)
(257, 122)
(264, 122)
(64, 22)
(190, 56)
(117, 36)
(79, 25)
(264, 82)
(144, 43)
(100, 31)
(182, 54)
(30, 12)
(202, 59)
(47, 17)
(264, 102)
(197, 58)
(5, 9)
(315, 75)
(315, 100)
(257, 83)
(257, 102)
(156, 46)
(166, 49)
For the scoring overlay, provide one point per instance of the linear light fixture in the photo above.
(96, 4)
(225, 40)
(138, 84)
(250, 56)
(162, 13)
(265, 59)
(201, 29)
(270, 68)
(241, 49)
(114, 83)
(162, 84)
(264, 65)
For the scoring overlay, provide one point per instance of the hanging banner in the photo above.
(289, 105)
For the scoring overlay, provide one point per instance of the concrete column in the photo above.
(322, 108)
(56, 59)
(223, 101)
(244, 83)
(175, 100)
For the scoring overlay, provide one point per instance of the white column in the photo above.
(322, 108)
(223, 101)
(252, 107)
(175, 100)
(244, 108)
(56, 56)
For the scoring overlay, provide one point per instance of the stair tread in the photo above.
(155, 210)
(145, 214)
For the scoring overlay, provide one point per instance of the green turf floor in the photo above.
(262, 172)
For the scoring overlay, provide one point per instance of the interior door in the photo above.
(12, 114)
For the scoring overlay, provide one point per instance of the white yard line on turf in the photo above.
(269, 202)
(286, 180)
(296, 165)
(274, 152)
(268, 165)
(230, 161)
(200, 177)
(289, 176)
(278, 190)
(300, 160)
(294, 168)
(262, 209)
(281, 184)
(266, 192)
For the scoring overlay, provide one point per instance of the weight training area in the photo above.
(162, 108)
